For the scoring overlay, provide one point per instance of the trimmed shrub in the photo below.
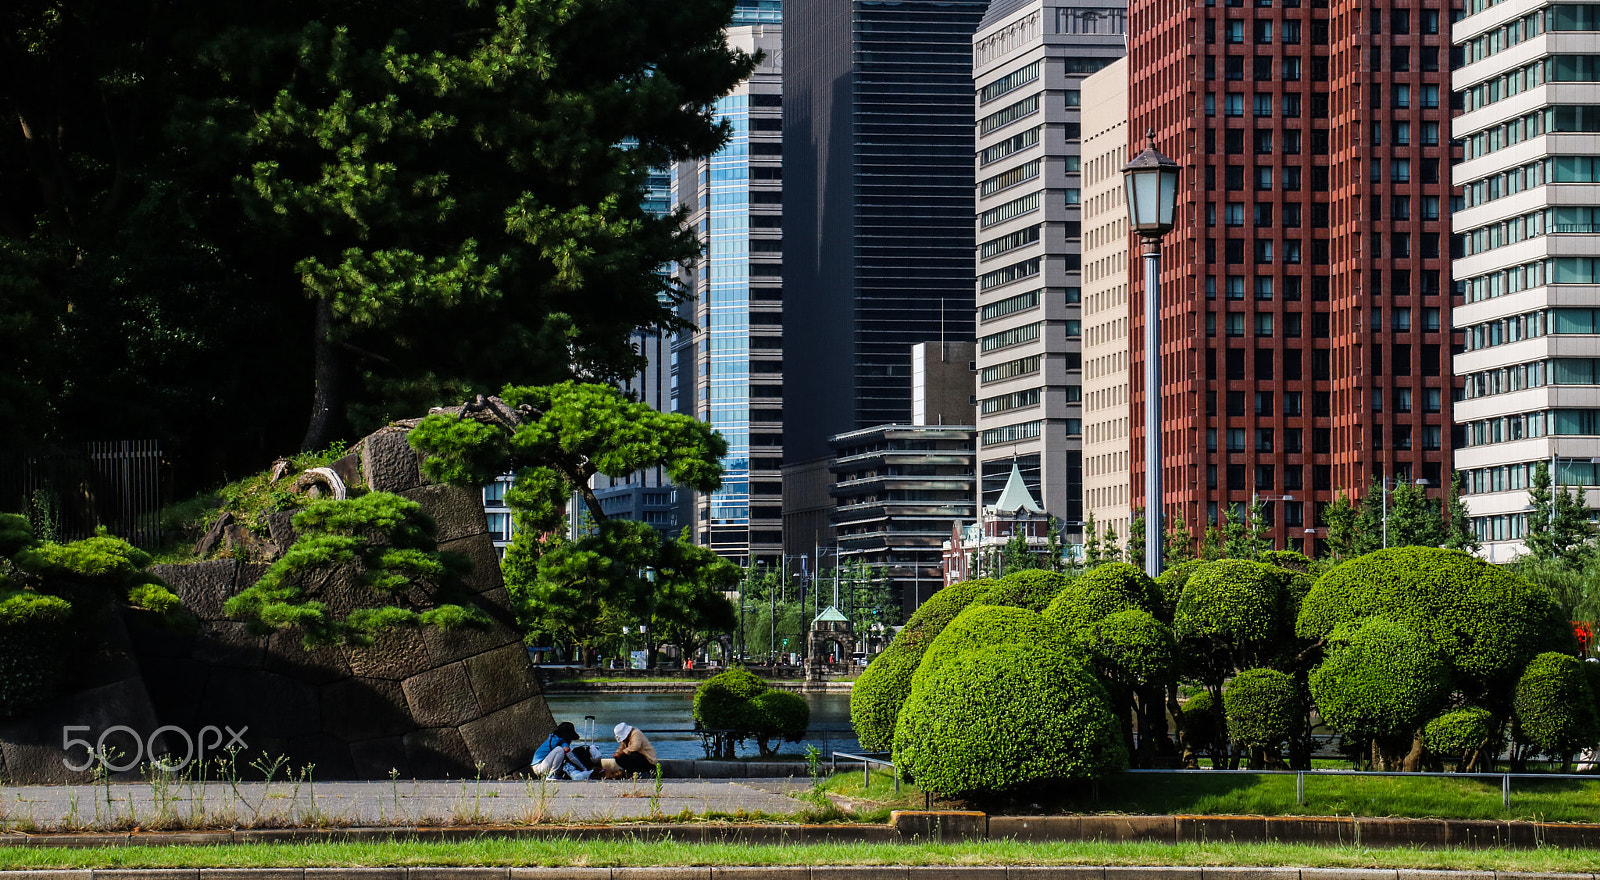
(1554, 707)
(881, 690)
(1031, 588)
(740, 706)
(1380, 680)
(1202, 725)
(1486, 622)
(723, 701)
(1103, 591)
(1233, 601)
(983, 626)
(1263, 708)
(1004, 718)
(1454, 736)
(1134, 648)
(1170, 584)
(1289, 560)
(779, 715)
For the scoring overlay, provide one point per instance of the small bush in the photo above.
(1554, 707)
(1231, 600)
(1006, 718)
(1133, 648)
(1380, 680)
(1263, 708)
(881, 690)
(1032, 589)
(1170, 584)
(1455, 736)
(1202, 725)
(739, 706)
(1103, 591)
(779, 715)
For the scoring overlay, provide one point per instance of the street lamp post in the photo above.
(1152, 187)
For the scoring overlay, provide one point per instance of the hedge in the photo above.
(1263, 708)
(1006, 718)
(1554, 706)
(1033, 589)
(881, 690)
(1380, 680)
(1103, 591)
(982, 626)
(1486, 622)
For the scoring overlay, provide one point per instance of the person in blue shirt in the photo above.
(550, 759)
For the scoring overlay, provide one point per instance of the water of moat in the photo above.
(668, 719)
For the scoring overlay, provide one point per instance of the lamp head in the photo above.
(1152, 185)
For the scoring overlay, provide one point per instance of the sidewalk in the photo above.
(400, 802)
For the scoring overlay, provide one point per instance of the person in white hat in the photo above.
(634, 753)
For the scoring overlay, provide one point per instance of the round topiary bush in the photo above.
(1554, 707)
(1231, 600)
(1263, 708)
(1004, 718)
(779, 715)
(1102, 591)
(878, 694)
(724, 701)
(1133, 648)
(1032, 589)
(982, 626)
(1456, 736)
(1201, 723)
(1486, 622)
(1170, 584)
(1381, 680)
(1291, 560)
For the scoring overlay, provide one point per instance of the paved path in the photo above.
(403, 802)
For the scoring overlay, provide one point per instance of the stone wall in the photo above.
(422, 703)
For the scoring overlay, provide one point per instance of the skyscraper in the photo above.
(1529, 234)
(1305, 290)
(730, 371)
(1029, 61)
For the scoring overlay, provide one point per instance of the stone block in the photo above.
(355, 874)
(1426, 833)
(1212, 873)
(377, 758)
(388, 463)
(457, 511)
(504, 741)
(441, 697)
(147, 874)
(31, 746)
(252, 874)
(457, 873)
(450, 645)
(940, 825)
(358, 709)
(1150, 873)
(561, 874)
(1470, 834)
(1036, 827)
(280, 527)
(271, 705)
(1203, 829)
(769, 872)
(1420, 874)
(1565, 836)
(1056, 872)
(328, 756)
(287, 655)
(229, 644)
(859, 872)
(1310, 829)
(957, 872)
(438, 753)
(661, 873)
(1348, 874)
(349, 469)
(394, 655)
(477, 549)
(203, 586)
(502, 677)
(1157, 828)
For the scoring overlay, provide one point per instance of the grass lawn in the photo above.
(1556, 800)
(562, 853)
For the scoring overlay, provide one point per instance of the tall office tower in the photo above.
(878, 209)
(1529, 234)
(729, 371)
(1029, 58)
(1105, 300)
(1305, 304)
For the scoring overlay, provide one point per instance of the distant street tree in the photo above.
(1459, 534)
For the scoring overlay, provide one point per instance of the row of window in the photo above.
(1519, 377)
(1010, 146)
(1009, 242)
(1010, 337)
(1557, 270)
(1560, 17)
(1507, 183)
(1013, 208)
(1007, 179)
(1558, 220)
(1010, 369)
(1013, 433)
(1009, 274)
(1288, 107)
(1400, 134)
(1293, 444)
(1011, 305)
(1511, 477)
(1002, 118)
(1234, 288)
(1010, 82)
(1006, 402)
(1556, 68)
(1559, 118)
(1554, 422)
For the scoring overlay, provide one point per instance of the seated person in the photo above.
(551, 758)
(634, 753)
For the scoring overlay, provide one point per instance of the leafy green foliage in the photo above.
(1133, 648)
(1381, 680)
(739, 705)
(1202, 725)
(1234, 614)
(1458, 534)
(1007, 715)
(876, 699)
(1415, 520)
(1485, 621)
(1032, 589)
(1558, 524)
(1554, 706)
(380, 545)
(1107, 589)
(1459, 733)
(1263, 708)
(1171, 583)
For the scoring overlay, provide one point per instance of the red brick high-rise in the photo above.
(1305, 289)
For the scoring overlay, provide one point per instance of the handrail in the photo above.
(1300, 777)
(866, 766)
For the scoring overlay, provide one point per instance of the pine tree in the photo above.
(1178, 547)
(1091, 544)
(1459, 534)
(1235, 539)
(1136, 539)
(1558, 524)
(1340, 518)
(1369, 521)
(1258, 540)
(1415, 520)
(1110, 550)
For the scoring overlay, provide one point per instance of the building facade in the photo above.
(1306, 296)
(1029, 61)
(1528, 238)
(729, 371)
(1106, 487)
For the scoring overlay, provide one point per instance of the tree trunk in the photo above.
(325, 400)
(1413, 759)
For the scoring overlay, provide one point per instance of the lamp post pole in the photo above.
(1152, 188)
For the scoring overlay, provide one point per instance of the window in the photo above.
(1291, 70)
(1430, 97)
(1399, 170)
(1263, 403)
(1263, 179)
(1235, 324)
(1235, 31)
(1291, 106)
(1402, 96)
(1235, 403)
(1264, 287)
(1235, 287)
(1233, 214)
(1263, 105)
(1233, 104)
(1233, 67)
(1236, 439)
(1263, 142)
(1263, 215)
(1264, 439)
(1263, 324)
(1291, 403)
(1233, 142)
(1263, 32)
(1264, 251)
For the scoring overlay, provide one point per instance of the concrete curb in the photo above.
(797, 872)
(932, 826)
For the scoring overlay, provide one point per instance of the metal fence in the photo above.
(1300, 777)
(70, 491)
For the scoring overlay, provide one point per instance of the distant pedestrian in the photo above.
(551, 759)
(634, 753)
